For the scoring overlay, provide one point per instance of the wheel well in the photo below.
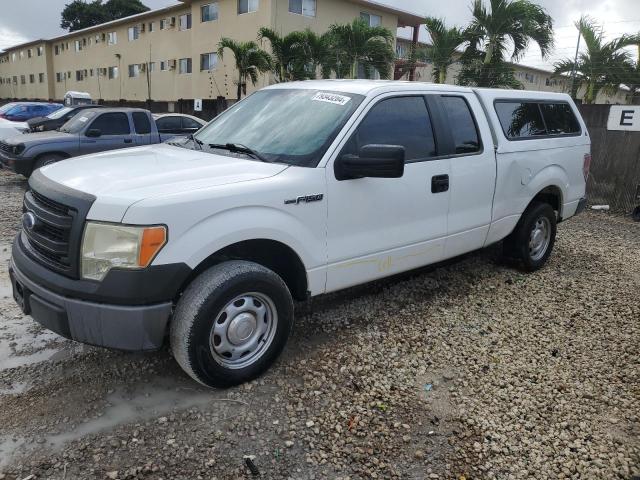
(274, 255)
(60, 154)
(551, 195)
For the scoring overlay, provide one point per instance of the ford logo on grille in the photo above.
(29, 221)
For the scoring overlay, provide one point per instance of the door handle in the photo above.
(439, 183)
(128, 140)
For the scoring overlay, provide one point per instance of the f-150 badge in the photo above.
(305, 199)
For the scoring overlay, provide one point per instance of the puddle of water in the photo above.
(15, 389)
(146, 401)
(22, 343)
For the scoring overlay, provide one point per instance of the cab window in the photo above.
(401, 121)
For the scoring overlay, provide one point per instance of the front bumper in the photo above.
(23, 166)
(123, 327)
(128, 310)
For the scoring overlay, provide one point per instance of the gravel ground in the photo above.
(470, 370)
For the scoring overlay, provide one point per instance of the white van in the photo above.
(298, 190)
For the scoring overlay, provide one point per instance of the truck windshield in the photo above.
(77, 123)
(59, 113)
(293, 126)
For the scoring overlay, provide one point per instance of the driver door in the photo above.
(381, 226)
(115, 132)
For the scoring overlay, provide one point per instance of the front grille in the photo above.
(5, 147)
(49, 238)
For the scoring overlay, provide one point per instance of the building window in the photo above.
(21, 55)
(40, 51)
(208, 61)
(13, 57)
(79, 75)
(78, 45)
(59, 77)
(23, 80)
(152, 27)
(113, 73)
(247, 6)
(209, 12)
(112, 38)
(41, 77)
(303, 7)
(29, 53)
(185, 22)
(32, 78)
(163, 24)
(163, 65)
(134, 71)
(372, 20)
(15, 79)
(134, 33)
(185, 66)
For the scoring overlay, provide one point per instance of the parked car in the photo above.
(298, 190)
(56, 119)
(90, 131)
(23, 111)
(171, 125)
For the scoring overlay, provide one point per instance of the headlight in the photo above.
(18, 149)
(107, 245)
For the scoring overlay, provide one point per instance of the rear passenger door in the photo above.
(142, 128)
(115, 132)
(381, 226)
(469, 145)
(169, 127)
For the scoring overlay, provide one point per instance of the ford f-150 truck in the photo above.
(298, 190)
(90, 131)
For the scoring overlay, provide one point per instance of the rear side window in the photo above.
(463, 125)
(520, 119)
(112, 124)
(169, 124)
(397, 121)
(190, 123)
(559, 118)
(141, 123)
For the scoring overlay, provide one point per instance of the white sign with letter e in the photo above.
(624, 117)
(197, 105)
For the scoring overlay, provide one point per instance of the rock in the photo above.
(112, 475)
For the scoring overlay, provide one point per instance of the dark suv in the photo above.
(55, 120)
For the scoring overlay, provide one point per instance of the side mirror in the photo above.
(94, 133)
(375, 161)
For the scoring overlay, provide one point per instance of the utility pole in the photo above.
(575, 65)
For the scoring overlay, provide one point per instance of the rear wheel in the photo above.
(231, 323)
(532, 241)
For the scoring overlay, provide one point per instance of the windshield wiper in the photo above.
(239, 148)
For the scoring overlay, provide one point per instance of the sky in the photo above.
(616, 16)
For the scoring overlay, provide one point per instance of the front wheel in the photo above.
(532, 240)
(231, 323)
(47, 159)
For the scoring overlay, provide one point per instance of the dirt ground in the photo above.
(470, 370)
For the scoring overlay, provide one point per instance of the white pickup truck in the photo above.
(298, 190)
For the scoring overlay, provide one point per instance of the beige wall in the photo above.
(12, 64)
(170, 44)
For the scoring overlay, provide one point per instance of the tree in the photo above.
(507, 25)
(251, 60)
(287, 54)
(358, 43)
(603, 66)
(81, 14)
(443, 48)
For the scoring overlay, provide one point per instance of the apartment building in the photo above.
(531, 78)
(170, 53)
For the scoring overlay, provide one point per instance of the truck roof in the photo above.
(368, 87)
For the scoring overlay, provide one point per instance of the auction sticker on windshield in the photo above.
(331, 98)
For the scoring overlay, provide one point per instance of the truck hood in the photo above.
(42, 137)
(122, 177)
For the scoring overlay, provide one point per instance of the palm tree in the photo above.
(358, 43)
(443, 49)
(603, 66)
(316, 50)
(508, 24)
(250, 61)
(286, 53)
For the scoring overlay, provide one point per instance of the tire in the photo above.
(532, 241)
(47, 159)
(231, 323)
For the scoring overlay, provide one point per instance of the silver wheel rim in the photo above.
(243, 330)
(539, 238)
